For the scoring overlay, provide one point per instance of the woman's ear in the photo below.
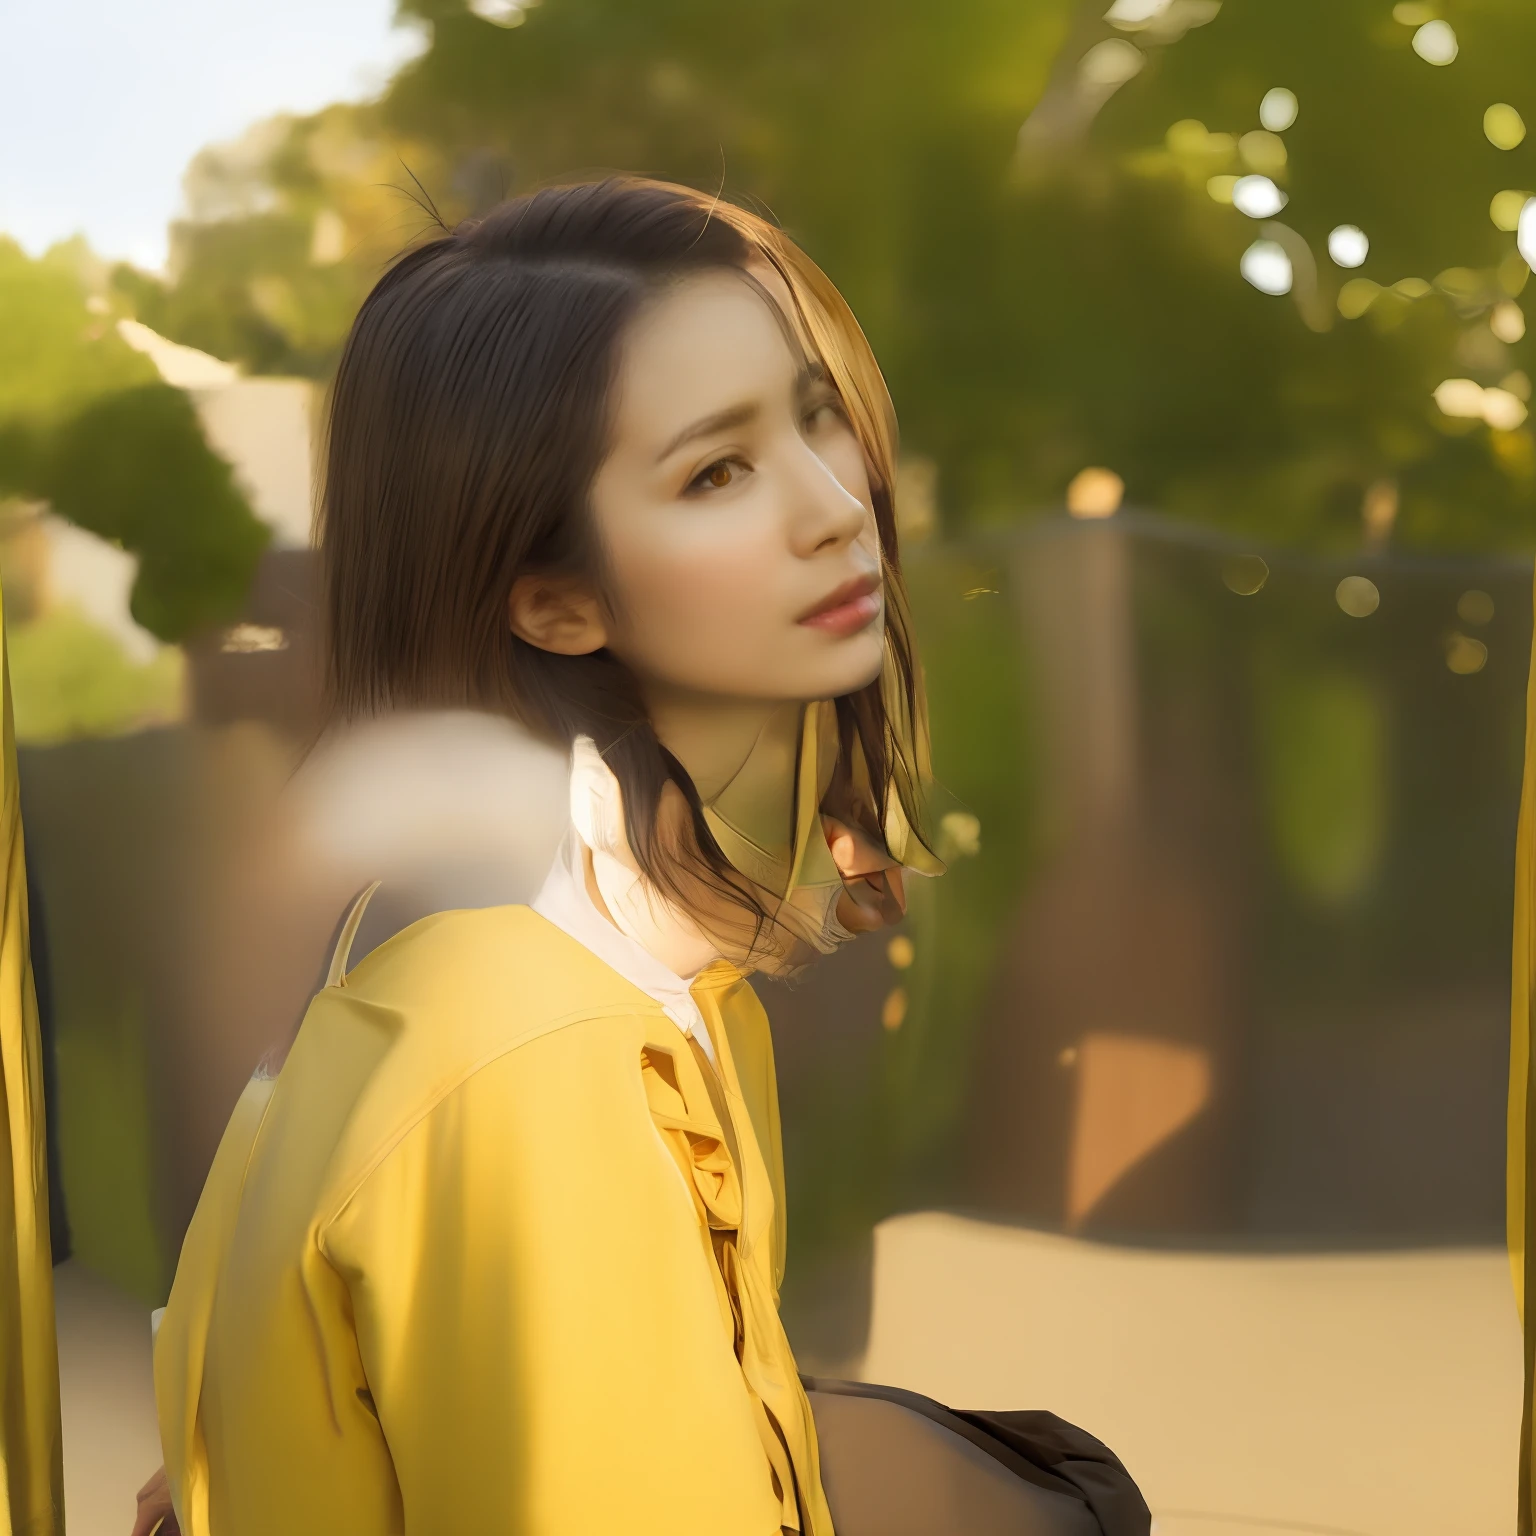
(557, 613)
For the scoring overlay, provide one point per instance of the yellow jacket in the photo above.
(496, 1252)
(31, 1463)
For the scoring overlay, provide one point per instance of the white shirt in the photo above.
(596, 821)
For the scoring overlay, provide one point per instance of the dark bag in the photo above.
(1036, 1446)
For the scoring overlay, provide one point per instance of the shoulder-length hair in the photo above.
(468, 419)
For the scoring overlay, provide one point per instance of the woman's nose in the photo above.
(824, 512)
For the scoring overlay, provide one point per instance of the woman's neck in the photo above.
(709, 735)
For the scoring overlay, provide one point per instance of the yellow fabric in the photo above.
(1523, 981)
(767, 820)
(495, 1253)
(32, 1489)
(1522, 995)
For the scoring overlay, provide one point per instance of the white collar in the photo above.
(564, 899)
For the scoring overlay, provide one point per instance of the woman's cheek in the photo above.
(727, 595)
(701, 605)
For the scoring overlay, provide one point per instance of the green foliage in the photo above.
(239, 300)
(1326, 765)
(70, 679)
(290, 225)
(106, 1147)
(133, 467)
(55, 355)
(1041, 301)
(86, 424)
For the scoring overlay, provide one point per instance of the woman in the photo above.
(499, 1248)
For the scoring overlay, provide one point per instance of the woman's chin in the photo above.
(859, 663)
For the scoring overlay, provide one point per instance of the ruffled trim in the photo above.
(684, 1116)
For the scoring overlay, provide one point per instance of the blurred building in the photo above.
(261, 667)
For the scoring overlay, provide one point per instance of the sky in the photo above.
(103, 102)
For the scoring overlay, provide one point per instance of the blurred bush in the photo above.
(88, 429)
(70, 678)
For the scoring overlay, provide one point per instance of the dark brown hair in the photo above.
(468, 419)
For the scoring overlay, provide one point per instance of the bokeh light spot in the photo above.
(960, 833)
(1466, 399)
(1135, 13)
(501, 13)
(1378, 511)
(1111, 63)
(1357, 296)
(1461, 283)
(1525, 233)
(1515, 453)
(1095, 492)
(1459, 397)
(1504, 126)
(1220, 188)
(1507, 322)
(1413, 13)
(894, 1009)
(1258, 197)
(1505, 208)
(1266, 265)
(1188, 136)
(1464, 655)
(1244, 575)
(1358, 596)
(1263, 151)
(1412, 288)
(1435, 43)
(1503, 411)
(1278, 109)
(1348, 246)
(1475, 607)
(900, 952)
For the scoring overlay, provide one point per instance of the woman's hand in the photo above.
(874, 895)
(155, 1512)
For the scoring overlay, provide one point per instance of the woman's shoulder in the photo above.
(503, 963)
(444, 1000)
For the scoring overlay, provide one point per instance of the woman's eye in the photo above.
(716, 476)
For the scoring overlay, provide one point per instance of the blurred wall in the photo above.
(1227, 967)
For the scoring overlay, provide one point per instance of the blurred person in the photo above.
(497, 1245)
(441, 807)
(31, 1459)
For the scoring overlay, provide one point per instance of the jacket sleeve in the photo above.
(536, 1315)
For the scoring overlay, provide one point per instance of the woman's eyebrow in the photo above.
(809, 376)
(716, 421)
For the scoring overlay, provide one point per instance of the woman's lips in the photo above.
(853, 606)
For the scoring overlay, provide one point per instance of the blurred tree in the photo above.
(1030, 205)
(87, 426)
(70, 678)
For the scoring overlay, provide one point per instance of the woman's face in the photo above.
(734, 507)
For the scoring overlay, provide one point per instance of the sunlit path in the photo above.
(110, 1441)
(1311, 1392)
